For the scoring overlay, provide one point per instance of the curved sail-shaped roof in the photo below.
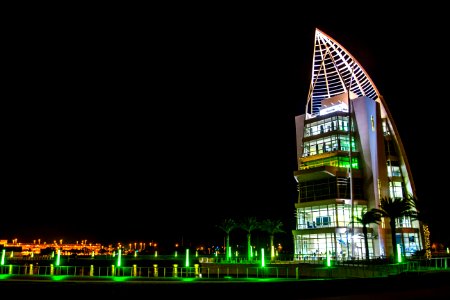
(334, 72)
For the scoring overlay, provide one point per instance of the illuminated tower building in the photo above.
(343, 172)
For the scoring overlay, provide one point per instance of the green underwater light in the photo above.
(187, 258)
(58, 258)
(119, 258)
(263, 263)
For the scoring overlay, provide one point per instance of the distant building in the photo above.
(26, 249)
(347, 164)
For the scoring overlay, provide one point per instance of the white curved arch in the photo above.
(334, 72)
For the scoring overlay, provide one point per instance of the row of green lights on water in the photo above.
(119, 258)
(187, 261)
(328, 258)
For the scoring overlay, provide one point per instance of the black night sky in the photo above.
(123, 130)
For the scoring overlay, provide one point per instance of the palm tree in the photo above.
(272, 227)
(421, 213)
(249, 224)
(227, 226)
(394, 208)
(419, 210)
(368, 217)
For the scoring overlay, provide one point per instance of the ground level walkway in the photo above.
(413, 285)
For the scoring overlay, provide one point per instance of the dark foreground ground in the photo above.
(411, 286)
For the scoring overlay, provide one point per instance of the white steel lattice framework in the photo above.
(334, 72)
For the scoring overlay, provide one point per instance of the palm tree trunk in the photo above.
(249, 246)
(393, 237)
(366, 242)
(228, 250)
(272, 251)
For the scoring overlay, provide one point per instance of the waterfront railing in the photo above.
(288, 270)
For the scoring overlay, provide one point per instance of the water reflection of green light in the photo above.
(58, 277)
(120, 278)
(188, 279)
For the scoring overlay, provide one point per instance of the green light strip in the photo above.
(187, 258)
(3, 257)
(263, 263)
(58, 257)
(119, 258)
